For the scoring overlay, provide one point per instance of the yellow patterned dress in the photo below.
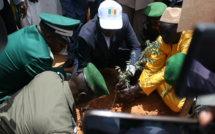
(152, 77)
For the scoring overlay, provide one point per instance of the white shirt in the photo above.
(107, 39)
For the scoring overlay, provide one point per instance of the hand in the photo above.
(120, 85)
(34, 1)
(206, 116)
(128, 93)
(68, 64)
(22, 10)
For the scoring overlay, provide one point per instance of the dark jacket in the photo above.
(75, 9)
(92, 46)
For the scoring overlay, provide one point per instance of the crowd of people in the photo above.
(38, 98)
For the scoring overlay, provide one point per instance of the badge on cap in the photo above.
(110, 15)
(59, 24)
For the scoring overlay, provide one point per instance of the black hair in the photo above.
(174, 3)
(175, 24)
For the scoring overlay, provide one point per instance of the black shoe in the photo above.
(69, 63)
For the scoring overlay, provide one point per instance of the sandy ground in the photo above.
(143, 104)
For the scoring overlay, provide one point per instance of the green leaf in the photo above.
(134, 54)
(128, 62)
(152, 48)
(117, 67)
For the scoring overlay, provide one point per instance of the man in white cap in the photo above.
(101, 39)
(152, 77)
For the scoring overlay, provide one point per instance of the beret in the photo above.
(155, 9)
(173, 68)
(95, 80)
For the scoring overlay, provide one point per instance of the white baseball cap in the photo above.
(110, 15)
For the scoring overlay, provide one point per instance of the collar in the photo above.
(51, 54)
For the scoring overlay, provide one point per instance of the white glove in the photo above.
(131, 68)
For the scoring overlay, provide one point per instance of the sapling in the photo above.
(152, 48)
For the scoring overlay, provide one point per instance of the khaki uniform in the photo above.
(45, 105)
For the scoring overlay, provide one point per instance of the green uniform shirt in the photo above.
(45, 105)
(25, 55)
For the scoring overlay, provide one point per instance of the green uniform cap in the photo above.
(61, 25)
(95, 80)
(173, 68)
(155, 9)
